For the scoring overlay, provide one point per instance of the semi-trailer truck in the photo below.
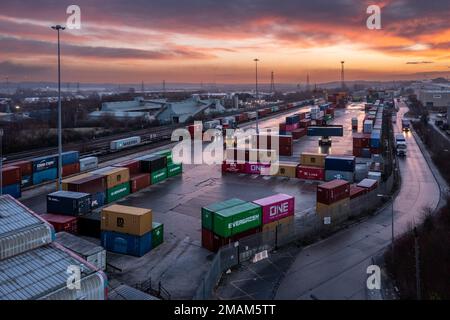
(400, 144)
(405, 125)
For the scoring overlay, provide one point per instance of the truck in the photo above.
(400, 144)
(405, 125)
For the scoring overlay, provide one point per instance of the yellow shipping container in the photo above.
(287, 169)
(337, 211)
(125, 219)
(285, 228)
(114, 176)
(313, 159)
(72, 179)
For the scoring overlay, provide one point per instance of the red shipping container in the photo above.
(91, 184)
(310, 173)
(133, 165)
(26, 167)
(11, 175)
(276, 207)
(282, 126)
(208, 240)
(375, 150)
(302, 115)
(305, 123)
(290, 127)
(357, 152)
(139, 182)
(356, 191)
(233, 167)
(62, 223)
(361, 140)
(213, 242)
(285, 150)
(70, 169)
(298, 133)
(195, 130)
(333, 191)
(285, 140)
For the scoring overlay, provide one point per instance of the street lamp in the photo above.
(392, 222)
(257, 95)
(58, 28)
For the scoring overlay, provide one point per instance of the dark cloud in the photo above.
(22, 70)
(419, 62)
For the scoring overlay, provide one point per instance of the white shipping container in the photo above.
(375, 175)
(368, 126)
(124, 143)
(88, 163)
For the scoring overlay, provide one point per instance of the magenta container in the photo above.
(276, 207)
(255, 168)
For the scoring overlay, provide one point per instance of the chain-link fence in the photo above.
(304, 228)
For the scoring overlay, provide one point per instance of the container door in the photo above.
(120, 245)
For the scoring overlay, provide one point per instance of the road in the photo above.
(335, 268)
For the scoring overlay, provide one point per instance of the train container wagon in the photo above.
(124, 143)
(88, 163)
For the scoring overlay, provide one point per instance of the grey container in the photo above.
(92, 253)
(21, 229)
(343, 175)
(41, 274)
(69, 203)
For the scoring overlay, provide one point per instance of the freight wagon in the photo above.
(124, 143)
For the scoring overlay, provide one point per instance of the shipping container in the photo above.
(26, 181)
(257, 168)
(89, 225)
(133, 165)
(337, 211)
(114, 176)
(45, 175)
(88, 163)
(286, 150)
(333, 191)
(126, 243)
(69, 203)
(298, 133)
(117, 192)
(61, 222)
(71, 169)
(139, 182)
(174, 169)
(70, 157)
(89, 183)
(331, 131)
(368, 126)
(153, 163)
(214, 242)
(361, 140)
(375, 138)
(340, 163)
(342, 175)
(42, 275)
(287, 169)
(166, 153)
(208, 240)
(92, 253)
(313, 159)
(13, 190)
(233, 167)
(208, 211)
(294, 119)
(124, 143)
(310, 173)
(44, 163)
(374, 175)
(279, 229)
(21, 229)
(234, 220)
(291, 127)
(26, 167)
(125, 219)
(369, 184)
(305, 123)
(276, 207)
(356, 191)
(158, 176)
(157, 234)
(98, 199)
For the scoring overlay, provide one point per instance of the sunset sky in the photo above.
(215, 41)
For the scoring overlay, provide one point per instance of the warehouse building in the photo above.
(434, 98)
(139, 108)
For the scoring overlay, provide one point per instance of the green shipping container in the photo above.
(167, 153)
(174, 169)
(237, 219)
(207, 212)
(117, 192)
(157, 234)
(159, 176)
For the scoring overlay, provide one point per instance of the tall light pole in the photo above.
(257, 95)
(58, 28)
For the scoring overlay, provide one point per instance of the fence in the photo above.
(303, 229)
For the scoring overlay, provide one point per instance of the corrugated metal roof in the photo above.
(37, 273)
(15, 217)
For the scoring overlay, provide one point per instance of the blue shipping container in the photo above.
(293, 119)
(375, 138)
(332, 131)
(98, 200)
(27, 181)
(69, 203)
(44, 163)
(46, 175)
(70, 157)
(126, 243)
(340, 163)
(342, 175)
(13, 190)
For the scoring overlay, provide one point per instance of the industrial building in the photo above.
(434, 98)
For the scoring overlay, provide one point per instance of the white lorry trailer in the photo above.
(400, 144)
